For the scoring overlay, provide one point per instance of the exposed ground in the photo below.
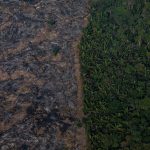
(40, 100)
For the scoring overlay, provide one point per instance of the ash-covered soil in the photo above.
(39, 103)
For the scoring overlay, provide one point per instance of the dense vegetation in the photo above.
(115, 58)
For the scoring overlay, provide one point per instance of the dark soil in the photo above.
(39, 101)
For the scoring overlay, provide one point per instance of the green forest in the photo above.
(115, 66)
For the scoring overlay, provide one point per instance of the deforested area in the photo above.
(39, 104)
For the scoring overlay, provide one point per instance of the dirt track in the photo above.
(40, 95)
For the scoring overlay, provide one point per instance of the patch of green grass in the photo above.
(78, 123)
(55, 48)
(51, 22)
(116, 73)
